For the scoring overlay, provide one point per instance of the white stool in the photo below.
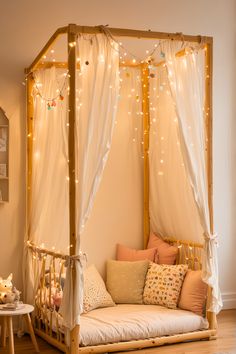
(6, 316)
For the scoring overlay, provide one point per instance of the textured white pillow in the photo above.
(95, 293)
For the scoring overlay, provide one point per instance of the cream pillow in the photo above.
(125, 281)
(163, 284)
(95, 293)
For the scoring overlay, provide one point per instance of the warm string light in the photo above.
(158, 89)
(127, 57)
(51, 102)
(60, 92)
(153, 120)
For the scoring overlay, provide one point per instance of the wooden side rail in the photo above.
(47, 320)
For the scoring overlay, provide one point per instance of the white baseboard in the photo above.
(229, 300)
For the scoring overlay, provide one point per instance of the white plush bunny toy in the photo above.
(6, 293)
(6, 284)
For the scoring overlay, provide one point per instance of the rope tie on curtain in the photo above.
(70, 260)
(106, 31)
(211, 238)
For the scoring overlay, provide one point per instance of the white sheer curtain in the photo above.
(49, 215)
(173, 211)
(187, 84)
(97, 88)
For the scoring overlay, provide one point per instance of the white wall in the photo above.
(24, 28)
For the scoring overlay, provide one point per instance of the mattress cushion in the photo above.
(127, 322)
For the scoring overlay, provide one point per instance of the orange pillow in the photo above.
(166, 254)
(124, 253)
(194, 292)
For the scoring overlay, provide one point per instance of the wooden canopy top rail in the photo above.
(64, 65)
(116, 32)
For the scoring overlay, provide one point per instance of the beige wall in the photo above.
(24, 28)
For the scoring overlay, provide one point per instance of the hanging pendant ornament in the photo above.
(152, 75)
(51, 102)
(150, 60)
(162, 54)
(87, 62)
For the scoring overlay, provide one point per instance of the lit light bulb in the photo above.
(37, 155)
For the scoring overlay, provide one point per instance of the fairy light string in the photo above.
(60, 92)
(126, 57)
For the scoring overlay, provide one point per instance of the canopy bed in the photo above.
(72, 109)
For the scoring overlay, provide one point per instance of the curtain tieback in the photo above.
(70, 260)
(211, 238)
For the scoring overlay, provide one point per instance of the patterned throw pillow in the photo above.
(95, 293)
(163, 284)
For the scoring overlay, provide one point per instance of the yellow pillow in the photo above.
(125, 281)
(163, 284)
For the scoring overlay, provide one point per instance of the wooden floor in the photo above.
(225, 344)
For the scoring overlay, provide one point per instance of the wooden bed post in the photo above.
(30, 114)
(211, 316)
(72, 37)
(146, 128)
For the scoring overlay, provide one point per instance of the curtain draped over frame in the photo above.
(48, 224)
(173, 210)
(97, 95)
(186, 76)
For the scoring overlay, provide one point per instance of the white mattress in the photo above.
(131, 322)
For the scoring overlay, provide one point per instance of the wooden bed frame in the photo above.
(72, 31)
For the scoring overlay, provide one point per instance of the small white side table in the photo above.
(6, 316)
